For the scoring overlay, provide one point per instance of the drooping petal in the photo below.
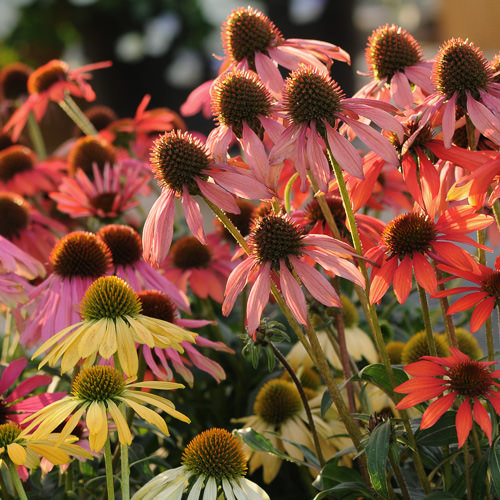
(448, 124)
(435, 410)
(482, 417)
(401, 90)
(403, 279)
(345, 153)
(194, 218)
(463, 422)
(481, 313)
(258, 297)
(424, 273)
(293, 294)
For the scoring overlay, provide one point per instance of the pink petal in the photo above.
(345, 153)
(485, 121)
(401, 90)
(269, 73)
(293, 294)
(28, 385)
(235, 284)
(258, 297)
(381, 279)
(218, 196)
(448, 123)
(11, 373)
(194, 218)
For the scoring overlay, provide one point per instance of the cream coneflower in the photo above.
(215, 461)
(112, 324)
(98, 391)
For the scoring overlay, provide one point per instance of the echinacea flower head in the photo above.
(14, 81)
(410, 239)
(315, 105)
(163, 362)
(204, 267)
(213, 463)
(463, 80)
(22, 448)
(88, 151)
(278, 245)
(100, 391)
(51, 82)
(418, 346)
(15, 402)
(466, 382)
(125, 245)
(181, 165)
(278, 409)
(112, 324)
(76, 261)
(395, 62)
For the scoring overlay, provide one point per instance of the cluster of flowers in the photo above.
(295, 175)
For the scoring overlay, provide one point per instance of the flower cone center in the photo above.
(98, 383)
(44, 77)
(88, 151)
(215, 453)
(311, 96)
(14, 215)
(103, 201)
(109, 297)
(461, 67)
(14, 81)
(247, 31)
(14, 160)
(470, 378)
(242, 220)
(418, 346)
(124, 243)
(178, 159)
(407, 234)
(314, 213)
(491, 284)
(391, 49)
(188, 253)
(80, 254)
(277, 401)
(275, 237)
(240, 97)
(8, 433)
(157, 305)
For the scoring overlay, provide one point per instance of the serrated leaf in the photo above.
(494, 465)
(376, 456)
(442, 433)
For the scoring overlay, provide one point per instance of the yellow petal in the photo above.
(126, 352)
(142, 334)
(108, 344)
(50, 451)
(16, 453)
(97, 417)
(124, 434)
(54, 339)
(162, 403)
(150, 416)
(91, 339)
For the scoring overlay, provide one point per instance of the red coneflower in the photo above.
(469, 382)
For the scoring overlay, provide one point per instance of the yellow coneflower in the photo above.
(215, 462)
(112, 323)
(98, 391)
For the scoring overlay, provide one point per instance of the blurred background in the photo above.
(166, 47)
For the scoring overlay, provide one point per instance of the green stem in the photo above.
(288, 191)
(305, 402)
(427, 321)
(125, 479)
(72, 109)
(18, 485)
(496, 212)
(108, 461)
(467, 471)
(399, 475)
(448, 321)
(36, 137)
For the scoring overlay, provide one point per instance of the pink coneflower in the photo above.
(410, 239)
(395, 63)
(161, 361)
(277, 245)
(14, 406)
(77, 260)
(26, 227)
(466, 381)
(109, 195)
(88, 151)
(125, 246)
(15, 260)
(22, 173)
(51, 82)
(205, 268)
(483, 297)
(182, 166)
(463, 78)
(314, 104)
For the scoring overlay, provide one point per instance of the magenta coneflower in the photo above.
(205, 268)
(51, 82)
(182, 166)
(466, 381)
(395, 63)
(108, 195)
(14, 406)
(314, 104)
(77, 260)
(26, 227)
(125, 245)
(277, 246)
(22, 173)
(161, 361)
(463, 79)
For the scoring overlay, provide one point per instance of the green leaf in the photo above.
(442, 433)
(440, 495)
(309, 455)
(478, 472)
(326, 402)
(333, 474)
(353, 490)
(494, 464)
(376, 456)
(377, 374)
